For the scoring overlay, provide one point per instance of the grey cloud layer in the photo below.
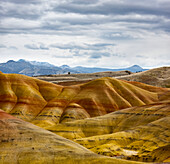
(97, 46)
(22, 1)
(151, 7)
(2, 46)
(98, 55)
(93, 51)
(40, 46)
(89, 29)
(44, 16)
(8, 47)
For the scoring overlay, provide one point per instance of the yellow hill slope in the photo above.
(47, 104)
(92, 114)
(24, 143)
(137, 133)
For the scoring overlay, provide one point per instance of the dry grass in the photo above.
(159, 77)
(73, 79)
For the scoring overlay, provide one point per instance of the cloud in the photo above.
(29, 11)
(98, 55)
(85, 2)
(112, 32)
(31, 46)
(140, 56)
(8, 47)
(40, 46)
(84, 46)
(2, 46)
(22, 2)
(13, 47)
(16, 25)
(62, 56)
(43, 17)
(66, 46)
(113, 7)
(43, 47)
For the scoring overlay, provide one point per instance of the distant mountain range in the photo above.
(134, 68)
(34, 68)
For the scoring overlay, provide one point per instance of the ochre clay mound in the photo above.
(23, 142)
(111, 117)
(32, 99)
(136, 133)
(47, 104)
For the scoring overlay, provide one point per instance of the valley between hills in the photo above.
(109, 117)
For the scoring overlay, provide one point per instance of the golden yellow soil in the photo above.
(111, 117)
(47, 104)
(24, 143)
(137, 133)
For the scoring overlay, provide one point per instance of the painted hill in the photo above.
(137, 133)
(158, 77)
(47, 104)
(22, 142)
(111, 117)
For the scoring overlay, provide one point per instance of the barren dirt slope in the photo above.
(111, 117)
(25, 143)
(157, 77)
(47, 104)
(137, 133)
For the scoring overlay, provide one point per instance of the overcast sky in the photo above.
(94, 33)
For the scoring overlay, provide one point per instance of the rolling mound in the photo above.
(22, 142)
(125, 120)
(159, 77)
(80, 78)
(136, 133)
(46, 104)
